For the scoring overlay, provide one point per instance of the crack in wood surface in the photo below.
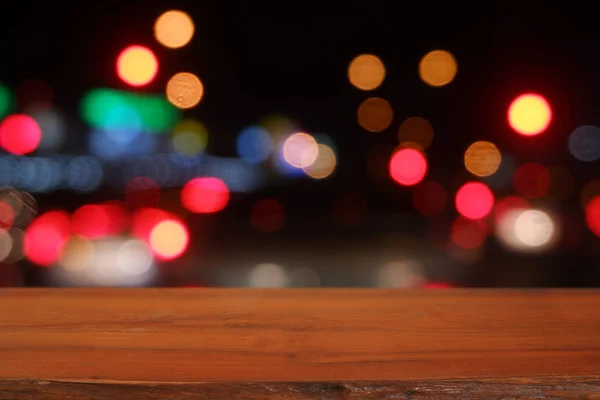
(551, 388)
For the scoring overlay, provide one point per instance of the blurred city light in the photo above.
(174, 29)
(529, 114)
(438, 68)
(366, 72)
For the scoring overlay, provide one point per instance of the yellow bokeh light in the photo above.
(375, 114)
(300, 150)
(366, 72)
(174, 29)
(184, 90)
(169, 239)
(324, 164)
(529, 114)
(438, 68)
(482, 158)
(137, 65)
(189, 137)
(416, 130)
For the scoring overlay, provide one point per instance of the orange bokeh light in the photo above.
(529, 114)
(169, 239)
(137, 65)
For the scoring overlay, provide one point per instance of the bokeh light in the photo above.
(592, 215)
(532, 180)
(375, 114)
(184, 90)
(6, 100)
(408, 167)
(324, 165)
(137, 65)
(467, 233)
(169, 239)
(429, 198)
(482, 158)
(474, 200)
(174, 29)
(300, 150)
(416, 130)
(205, 195)
(529, 114)
(189, 137)
(254, 144)
(20, 134)
(584, 143)
(267, 216)
(53, 129)
(46, 236)
(438, 68)
(366, 72)
(268, 275)
(527, 230)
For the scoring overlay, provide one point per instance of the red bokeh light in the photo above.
(7, 216)
(144, 220)
(95, 221)
(532, 180)
(509, 203)
(437, 285)
(20, 134)
(205, 195)
(408, 167)
(592, 215)
(142, 191)
(467, 233)
(474, 200)
(429, 198)
(267, 216)
(46, 236)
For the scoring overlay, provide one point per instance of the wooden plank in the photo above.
(240, 343)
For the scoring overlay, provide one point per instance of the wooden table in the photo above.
(339, 344)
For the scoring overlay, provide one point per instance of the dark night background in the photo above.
(258, 58)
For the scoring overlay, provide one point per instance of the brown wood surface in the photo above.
(299, 344)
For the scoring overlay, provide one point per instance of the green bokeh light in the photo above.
(6, 100)
(105, 108)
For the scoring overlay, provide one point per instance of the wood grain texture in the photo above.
(330, 343)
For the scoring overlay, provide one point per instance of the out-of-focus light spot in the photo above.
(300, 150)
(7, 215)
(128, 112)
(589, 191)
(6, 100)
(52, 128)
(467, 233)
(34, 95)
(592, 215)
(95, 221)
(189, 137)
(401, 274)
(408, 167)
(137, 65)
(145, 219)
(531, 231)
(6, 245)
(142, 191)
(416, 130)
(268, 275)
(19, 134)
(205, 195)
(503, 177)
(366, 72)
(474, 200)
(46, 236)
(562, 183)
(324, 165)
(84, 174)
(438, 68)
(437, 285)
(507, 204)
(429, 198)
(134, 257)
(305, 277)
(185, 90)
(482, 158)
(77, 254)
(375, 114)
(110, 146)
(350, 209)
(169, 239)
(584, 143)
(267, 216)
(529, 114)
(23, 207)
(254, 144)
(174, 29)
(532, 180)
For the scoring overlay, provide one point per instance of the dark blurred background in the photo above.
(307, 144)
